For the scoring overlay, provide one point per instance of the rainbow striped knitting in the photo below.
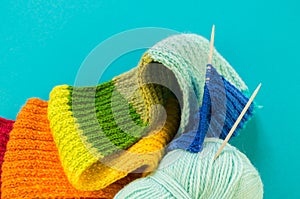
(94, 156)
(94, 125)
(5, 128)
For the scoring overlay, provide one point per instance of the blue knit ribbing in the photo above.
(228, 103)
(204, 111)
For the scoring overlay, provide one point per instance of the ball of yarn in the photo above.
(182, 174)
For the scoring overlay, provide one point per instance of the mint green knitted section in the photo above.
(186, 55)
(186, 175)
(118, 125)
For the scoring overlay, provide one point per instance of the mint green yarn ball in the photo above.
(186, 175)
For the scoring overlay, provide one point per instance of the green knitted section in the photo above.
(106, 120)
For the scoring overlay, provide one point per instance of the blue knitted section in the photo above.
(222, 104)
(236, 101)
(204, 111)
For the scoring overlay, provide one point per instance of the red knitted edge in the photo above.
(5, 128)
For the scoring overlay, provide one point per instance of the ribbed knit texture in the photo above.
(5, 128)
(222, 104)
(32, 168)
(186, 175)
(90, 124)
(89, 142)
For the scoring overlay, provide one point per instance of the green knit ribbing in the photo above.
(119, 126)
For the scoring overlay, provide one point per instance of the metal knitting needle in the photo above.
(237, 121)
(211, 48)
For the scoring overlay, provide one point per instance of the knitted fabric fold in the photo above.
(186, 56)
(32, 168)
(88, 171)
(5, 128)
(91, 125)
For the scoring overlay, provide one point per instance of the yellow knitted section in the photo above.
(86, 172)
(146, 59)
(152, 94)
(71, 167)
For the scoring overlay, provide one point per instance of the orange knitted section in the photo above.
(32, 168)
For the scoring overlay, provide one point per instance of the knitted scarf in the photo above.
(93, 125)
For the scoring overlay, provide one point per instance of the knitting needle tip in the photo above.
(211, 48)
(258, 87)
(237, 121)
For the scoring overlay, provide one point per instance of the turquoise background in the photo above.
(43, 43)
